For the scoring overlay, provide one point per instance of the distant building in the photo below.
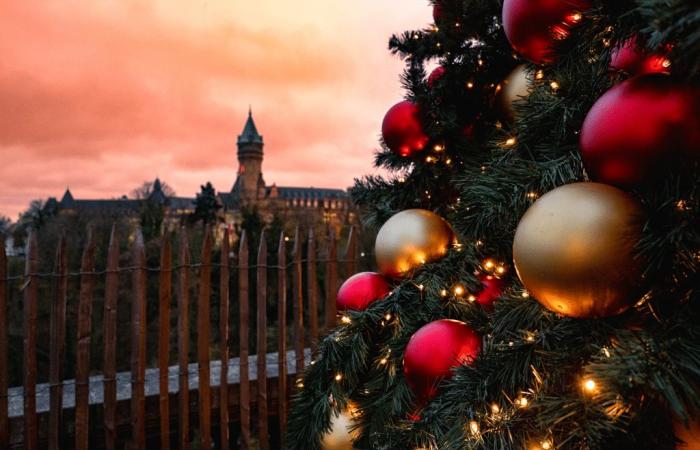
(301, 204)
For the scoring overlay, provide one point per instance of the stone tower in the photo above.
(250, 184)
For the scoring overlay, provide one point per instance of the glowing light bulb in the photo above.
(495, 408)
(458, 290)
(474, 427)
(346, 320)
(338, 376)
(554, 85)
(510, 142)
(589, 386)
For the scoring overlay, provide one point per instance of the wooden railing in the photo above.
(168, 406)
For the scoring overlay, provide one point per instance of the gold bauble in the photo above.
(340, 437)
(574, 250)
(513, 88)
(409, 239)
(690, 435)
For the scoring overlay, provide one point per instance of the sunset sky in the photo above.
(102, 95)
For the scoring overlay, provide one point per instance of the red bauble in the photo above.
(435, 75)
(433, 351)
(402, 130)
(360, 290)
(533, 26)
(635, 60)
(438, 11)
(638, 126)
(492, 288)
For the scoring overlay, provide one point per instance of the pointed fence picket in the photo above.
(158, 406)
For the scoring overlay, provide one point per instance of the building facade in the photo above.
(303, 205)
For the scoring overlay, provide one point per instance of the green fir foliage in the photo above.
(646, 362)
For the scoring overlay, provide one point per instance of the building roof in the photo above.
(291, 193)
(250, 133)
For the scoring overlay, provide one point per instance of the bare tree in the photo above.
(146, 189)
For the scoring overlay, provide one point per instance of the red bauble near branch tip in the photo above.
(438, 11)
(433, 351)
(435, 75)
(492, 288)
(533, 26)
(402, 130)
(630, 57)
(638, 127)
(361, 290)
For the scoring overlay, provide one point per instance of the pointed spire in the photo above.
(157, 185)
(67, 198)
(250, 133)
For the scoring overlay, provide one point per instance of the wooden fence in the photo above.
(230, 403)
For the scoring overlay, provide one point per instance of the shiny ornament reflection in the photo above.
(514, 88)
(410, 239)
(574, 250)
(340, 436)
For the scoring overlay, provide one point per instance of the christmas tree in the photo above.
(538, 239)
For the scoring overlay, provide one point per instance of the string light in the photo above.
(338, 376)
(383, 361)
(438, 148)
(471, 298)
(387, 316)
(510, 142)
(481, 62)
(666, 63)
(554, 85)
(539, 74)
(286, 239)
(448, 161)
(430, 159)
(489, 264)
(346, 320)
(495, 409)
(525, 294)
(300, 383)
(529, 336)
(589, 386)
(501, 270)
(474, 427)
(458, 290)
(532, 195)
(522, 402)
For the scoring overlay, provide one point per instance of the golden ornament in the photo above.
(410, 239)
(689, 434)
(341, 436)
(574, 250)
(513, 88)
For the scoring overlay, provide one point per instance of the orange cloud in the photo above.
(100, 96)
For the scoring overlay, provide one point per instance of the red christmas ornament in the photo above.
(630, 57)
(402, 130)
(438, 12)
(533, 26)
(639, 125)
(433, 351)
(360, 290)
(435, 75)
(492, 289)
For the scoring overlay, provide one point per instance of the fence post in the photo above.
(298, 304)
(110, 338)
(183, 339)
(332, 281)
(138, 343)
(203, 338)
(4, 380)
(312, 289)
(82, 372)
(30, 313)
(243, 325)
(224, 340)
(57, 332)
(351, 261)
(282, 337)
(164, 294)
(261, 290)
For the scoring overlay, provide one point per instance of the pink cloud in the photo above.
(100, 96)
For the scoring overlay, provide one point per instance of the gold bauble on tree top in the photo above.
(341, 435)
(574, 250)
(513, 88)
(410, 239)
